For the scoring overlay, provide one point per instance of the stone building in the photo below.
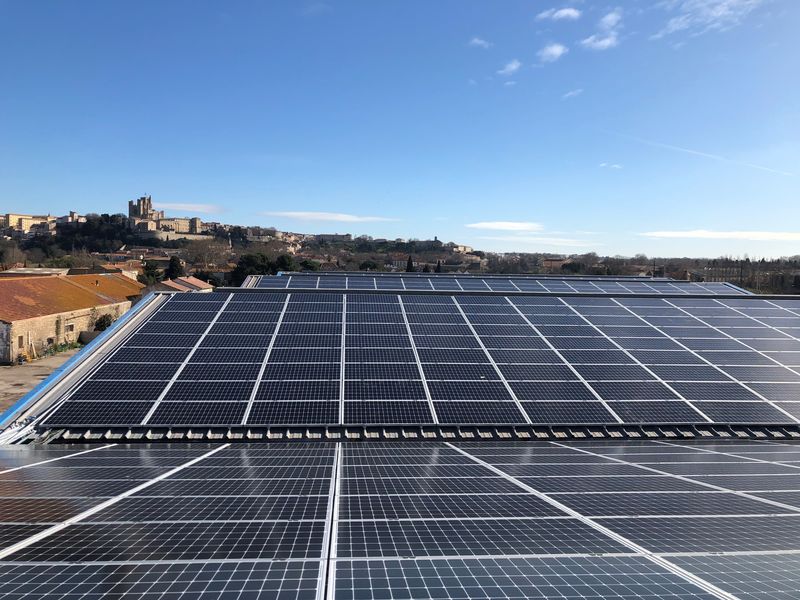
(40, 312)
(142, 208)
(154, 224)
(20, 224)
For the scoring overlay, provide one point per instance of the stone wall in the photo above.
(41, 332)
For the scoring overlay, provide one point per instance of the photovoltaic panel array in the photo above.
(277, 358)
(509, 284)
(606, 519)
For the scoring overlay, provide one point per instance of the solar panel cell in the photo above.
(478, 412)
(198, 413)
(387, 412)
(568, 412)
(294, 413)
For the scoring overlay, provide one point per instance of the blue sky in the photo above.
(665, 127)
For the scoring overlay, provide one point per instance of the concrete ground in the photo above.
(18, 380)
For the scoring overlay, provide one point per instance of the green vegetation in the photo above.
(261, 264)
(151, 274)
(369, 265)
(174, 269)
(209, 277)
(63, 347)
(103, 322)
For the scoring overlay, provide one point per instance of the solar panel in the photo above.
(489, 283)
(428, 358)
(461, 359)
(454, 520)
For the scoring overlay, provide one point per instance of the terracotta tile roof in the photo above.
(194, 282)
(30, 297)
(173, 285)
(113, 285)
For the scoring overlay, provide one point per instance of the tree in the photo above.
(151, 274)
(285, 263)
(260, 264)
(426, 269)
(309, 265)
(572, 267)
(210, 277)
(368, 265)
(251, 264)
(103, 322)
(207, 253)
(174, 269)
(438, 266)
(410, 265)
(10, 254)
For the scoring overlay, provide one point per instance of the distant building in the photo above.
(20, 225)
(154, 224)
(399, 260)
(181, 284)
(142, 208)
(72, 218)
(195, 284)
(554, 264)
(333, 237)
(39, 312)
(458, 248)
(33, 272)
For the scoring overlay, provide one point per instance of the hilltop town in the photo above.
(147, 245)
(148, 234)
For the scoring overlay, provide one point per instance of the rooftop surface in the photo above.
(350, 444)
(30, 297)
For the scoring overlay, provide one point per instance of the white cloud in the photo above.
(326, 216)
(552, 52)
(534, 240)
(572, 93)
(510, 83)
(705, 234)
(611, 20)
(601, 42)
(477, 42)
(701, 16)
(606, 165)
(507, 225)
(608, 36)
(560, 14)
(510, 68)
(189, 207)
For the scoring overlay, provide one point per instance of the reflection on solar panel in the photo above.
(283, 358)
(427, 520)
(508, 284)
